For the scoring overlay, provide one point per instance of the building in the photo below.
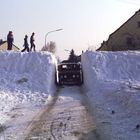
(126, 37)
(3, 46)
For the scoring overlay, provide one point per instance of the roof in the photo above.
(125, 22)
(2, 42)
(71, 63)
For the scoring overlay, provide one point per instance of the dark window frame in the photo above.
(138, 24)
(129, 41)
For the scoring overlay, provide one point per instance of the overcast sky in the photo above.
(84, 22)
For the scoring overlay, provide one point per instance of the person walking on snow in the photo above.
(10, 40)
(26, 45)
(32, 42)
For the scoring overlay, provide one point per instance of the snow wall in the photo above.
(27, 72)
(112, 84)
(119, 66)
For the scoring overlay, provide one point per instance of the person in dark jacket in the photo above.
(10, 40)
(32, 42)
(26, 45)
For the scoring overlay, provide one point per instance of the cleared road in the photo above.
(66, 117)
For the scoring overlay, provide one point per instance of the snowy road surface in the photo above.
(66, 117)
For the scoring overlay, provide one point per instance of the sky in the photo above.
(85, 23)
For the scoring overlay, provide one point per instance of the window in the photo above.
(138, 23)
(129, 41)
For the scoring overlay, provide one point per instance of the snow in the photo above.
(26, 79)
(112, 84)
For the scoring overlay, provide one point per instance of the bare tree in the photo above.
(50, 47)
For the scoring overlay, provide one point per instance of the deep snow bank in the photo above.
(112, 83)
(120, 66)
(25, 78)
(27, 72)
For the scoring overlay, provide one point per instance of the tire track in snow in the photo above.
(65, 117)
(48, 106)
